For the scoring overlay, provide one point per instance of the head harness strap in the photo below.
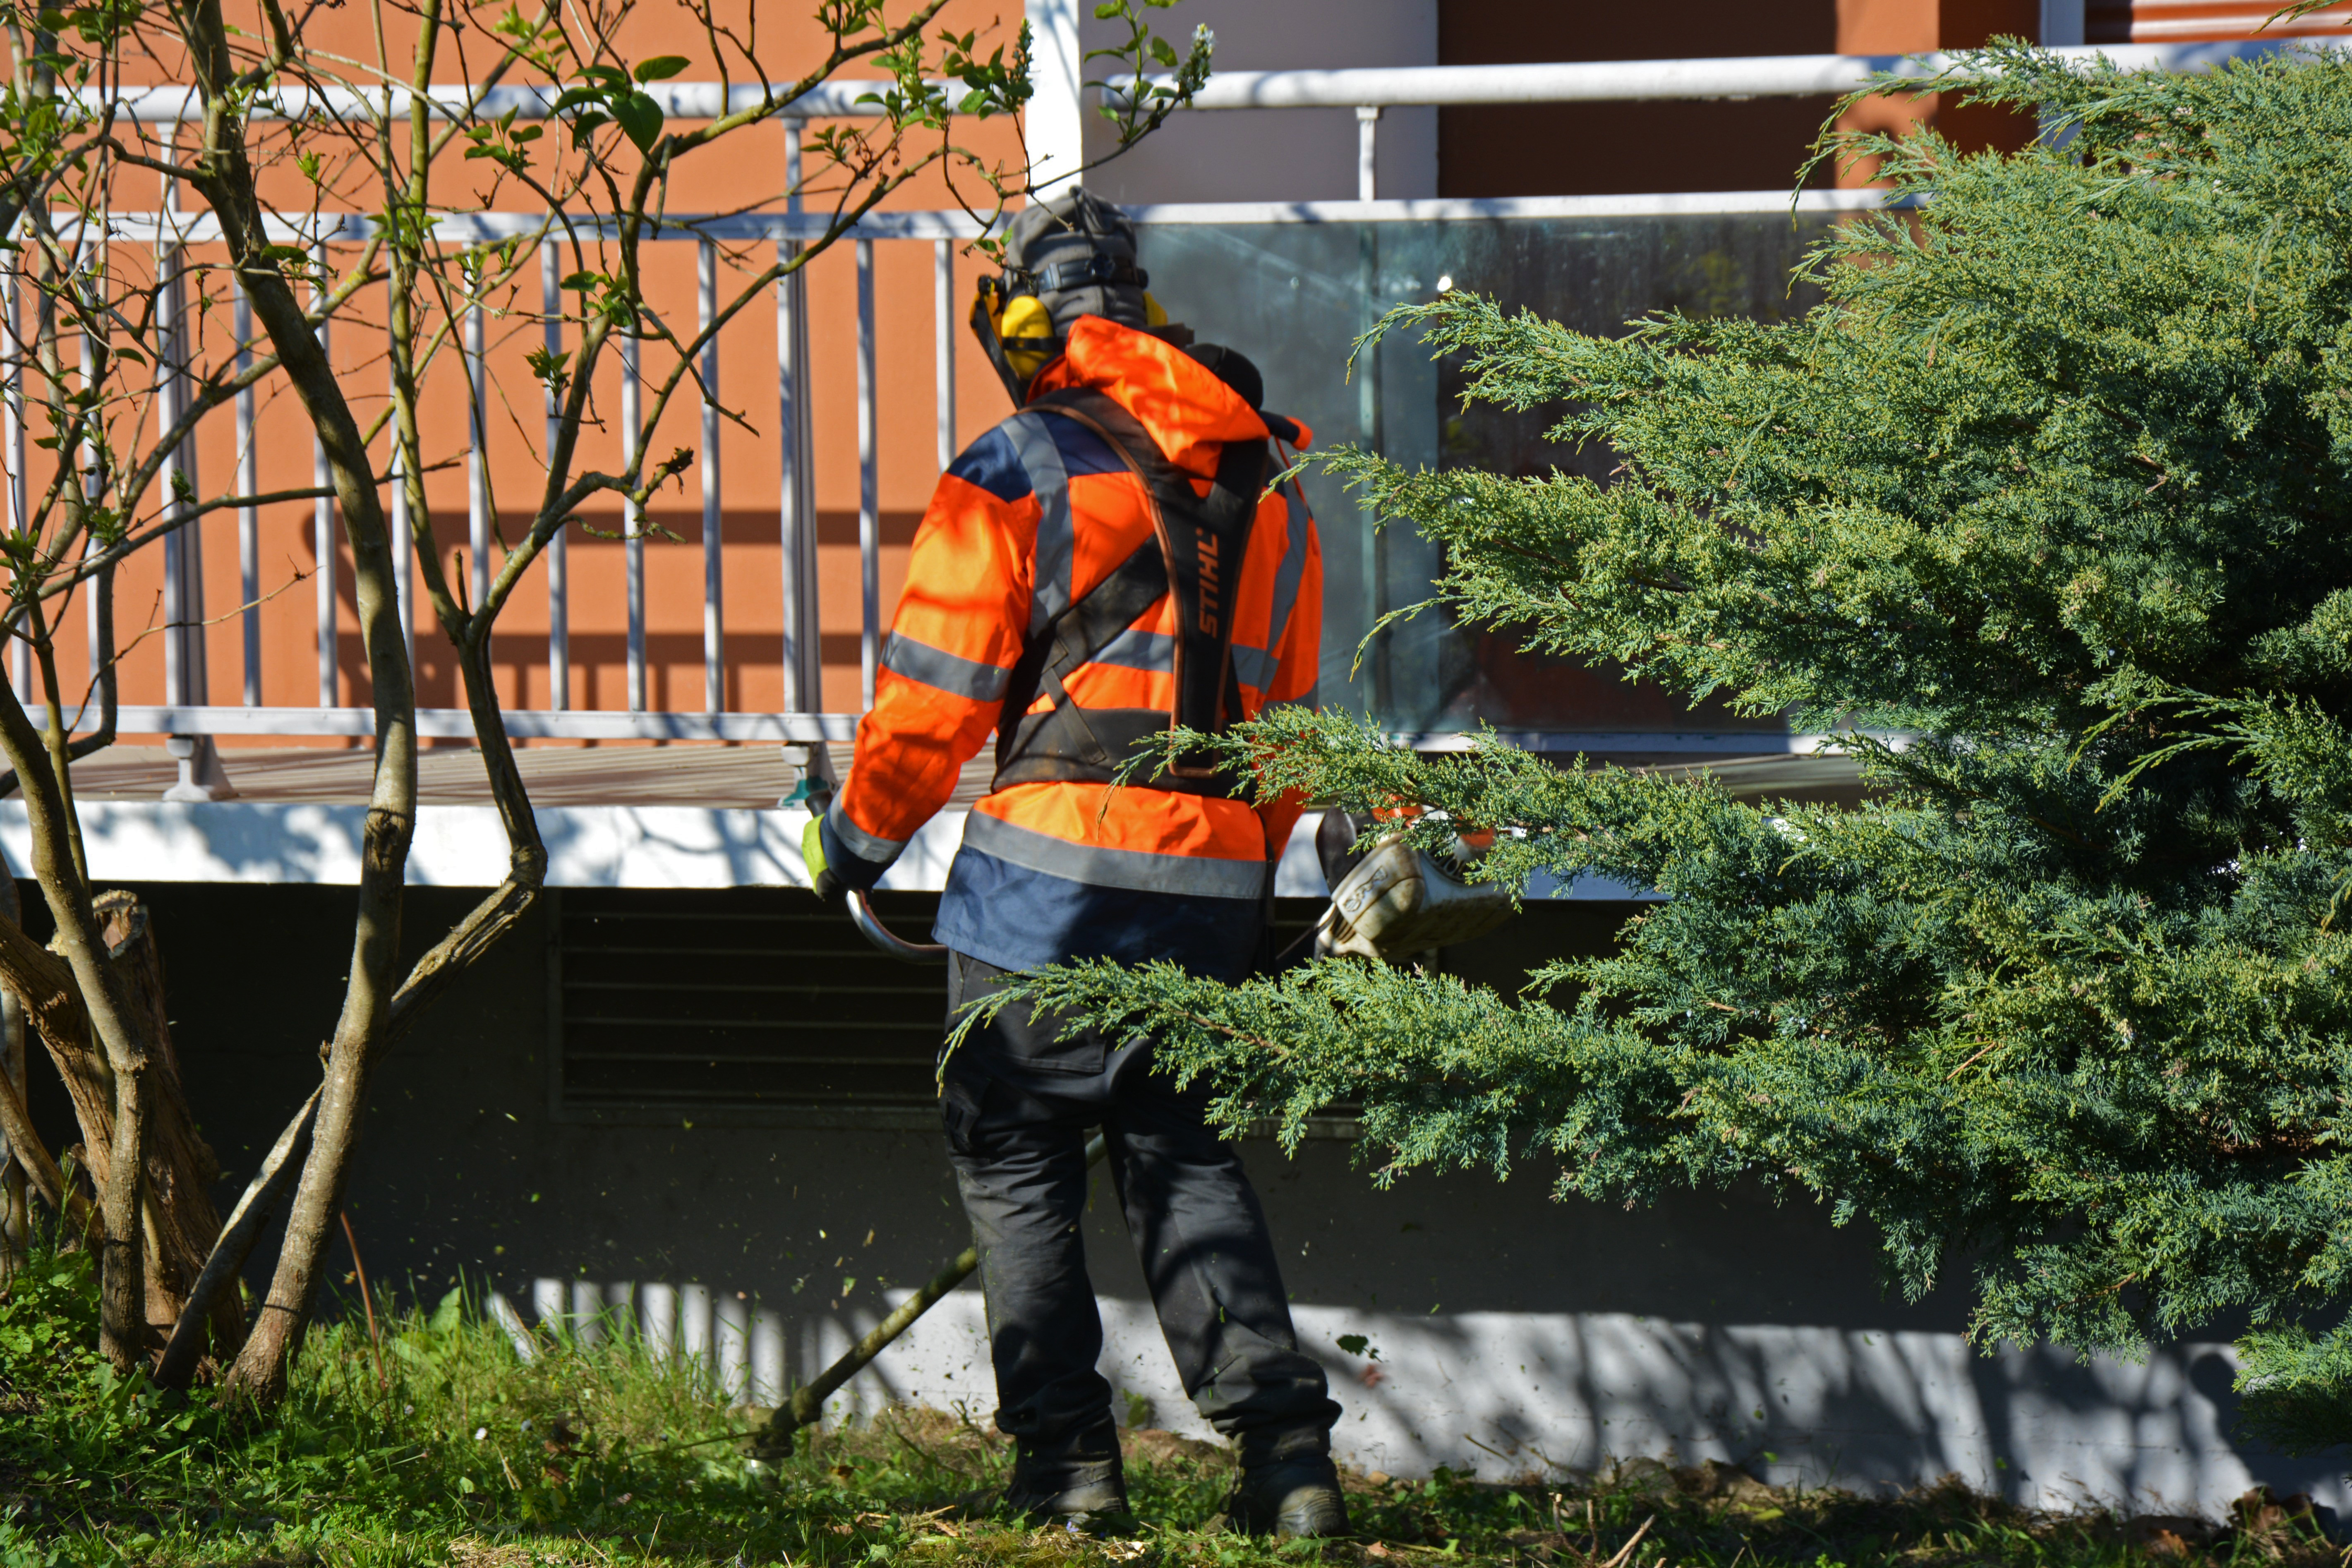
(1059, 275)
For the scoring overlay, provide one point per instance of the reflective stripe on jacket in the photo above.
(1033, 514)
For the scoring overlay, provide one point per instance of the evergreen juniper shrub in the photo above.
(2049, 495)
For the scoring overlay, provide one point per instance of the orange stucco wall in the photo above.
(746, 170)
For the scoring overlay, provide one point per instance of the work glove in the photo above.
(822, 876)
(835, 871)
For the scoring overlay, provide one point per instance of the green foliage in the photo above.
(2055, 482)
(610, 95)
(1134, 103)
(595, 1453)
(2293, 1386)
(49, 1316)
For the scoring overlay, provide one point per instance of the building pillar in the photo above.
(2062, 24)
(1053, 129)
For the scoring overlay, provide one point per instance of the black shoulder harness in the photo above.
(1195, 555)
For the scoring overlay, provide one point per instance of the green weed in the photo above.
(594, 1452)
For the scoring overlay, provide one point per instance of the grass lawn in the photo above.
(438, 1445)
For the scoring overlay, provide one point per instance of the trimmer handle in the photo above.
(870, 926)
(818, 797)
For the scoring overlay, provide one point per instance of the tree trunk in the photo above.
(181, 1168)
(228, 183)
(77, 1005)
(89, 1084)
(16, 1209)
(179, 1218)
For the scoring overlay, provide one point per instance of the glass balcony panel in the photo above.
(1294, 297)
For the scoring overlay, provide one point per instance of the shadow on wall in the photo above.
(1512, 1396)
(1822, 1406)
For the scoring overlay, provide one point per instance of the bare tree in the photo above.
(274, 134)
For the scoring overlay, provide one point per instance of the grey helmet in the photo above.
(1075, 256)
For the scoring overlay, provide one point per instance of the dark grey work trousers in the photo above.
(1017, 1105)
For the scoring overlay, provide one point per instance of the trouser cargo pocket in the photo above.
(1017, 1035)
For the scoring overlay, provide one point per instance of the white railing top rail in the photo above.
(153, 227)
(176, 102)
(457, 723)
(1624, 81)
(729, 228)
(1569, 81)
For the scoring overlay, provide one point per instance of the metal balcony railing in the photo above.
(187, 709)
(1370, 89)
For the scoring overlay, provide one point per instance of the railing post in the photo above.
(91, 290)
(943, 281)
(201, 777)
(633, 521)
(559, 586)
(11, 448)
(869, 488)
(1369, 431)
(804, 652)
(323, 519)
(184, 602)
(167, 414)
(403, 530)
(714, 667)
(1368, 132)
(181, 350)
(248, 519)
(477, 464)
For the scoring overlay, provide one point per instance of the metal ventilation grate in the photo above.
(738, 999)
(749, 1004)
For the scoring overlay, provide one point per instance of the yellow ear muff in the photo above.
(1026, 328)
(1024, 316)
(1154, 313)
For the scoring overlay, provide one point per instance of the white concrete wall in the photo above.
(314, 844)
(1506, 1394)
(1515, 1334)
(1276, 154)
(1509, 1393)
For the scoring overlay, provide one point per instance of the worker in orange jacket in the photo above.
(1104, 564)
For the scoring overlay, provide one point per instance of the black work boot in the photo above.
(1089, 1496)
(1296, 1496)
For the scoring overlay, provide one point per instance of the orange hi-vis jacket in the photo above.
(1031, 517)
